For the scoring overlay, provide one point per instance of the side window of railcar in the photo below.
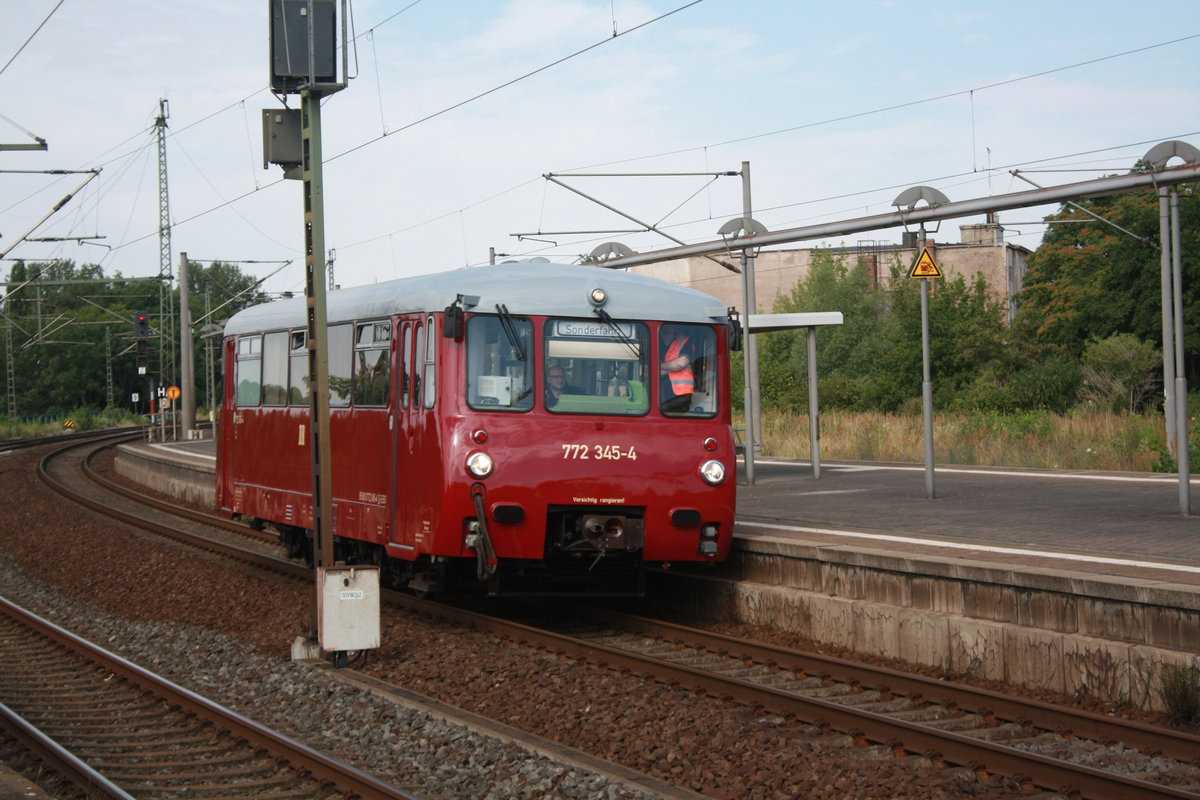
(430, 365)
(499, 371)
(592, 367)
(298, 380)
(688, 370)
(249, 370)
(372, 357)
(341, 365)
(418, 349)
(406, 373)
(275, 369)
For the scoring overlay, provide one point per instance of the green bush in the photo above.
(1179, 687)
(1120, 373)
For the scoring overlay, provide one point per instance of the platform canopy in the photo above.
(768, 323)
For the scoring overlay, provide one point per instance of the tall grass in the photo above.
(1084, 440)
(81, 419)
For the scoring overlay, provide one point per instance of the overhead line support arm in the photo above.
(1098, 187)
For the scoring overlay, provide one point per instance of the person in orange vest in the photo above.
(676, 380)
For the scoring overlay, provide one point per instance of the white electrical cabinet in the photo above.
(348, 608)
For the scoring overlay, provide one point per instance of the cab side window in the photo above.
(688, 377)
(498, 368)
(430, 365)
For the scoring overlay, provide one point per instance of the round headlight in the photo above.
(713, 472)
(480, 464)
(597, 296)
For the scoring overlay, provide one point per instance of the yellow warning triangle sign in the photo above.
(925, 266)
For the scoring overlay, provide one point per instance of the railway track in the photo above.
(117, 730)
(1049, 747)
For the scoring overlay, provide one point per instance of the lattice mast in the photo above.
(166, 308)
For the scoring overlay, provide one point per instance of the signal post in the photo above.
(303, 36)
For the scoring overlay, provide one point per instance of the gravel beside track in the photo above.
(224, 631)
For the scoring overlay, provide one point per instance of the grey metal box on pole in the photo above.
(282, 134)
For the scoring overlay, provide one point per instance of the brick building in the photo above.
(982, 250)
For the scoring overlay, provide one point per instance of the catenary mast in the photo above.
(166, 310)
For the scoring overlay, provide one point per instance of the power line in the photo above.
(518, 79)
(636, 158)
(830, 121)
(409, 125)
(30, 39)
(897, 106)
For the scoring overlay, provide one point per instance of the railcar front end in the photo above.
(578, 483)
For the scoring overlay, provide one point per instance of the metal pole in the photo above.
(108, 378)
(1168, 324)
(926, 382)
(318, 340)
(209, 373)
(814, 413)
(187, 365)
(750, 406)
(1181, 397)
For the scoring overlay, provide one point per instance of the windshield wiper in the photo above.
(510, 331)
(633, 346)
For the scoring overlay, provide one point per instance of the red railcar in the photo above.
(455, 459)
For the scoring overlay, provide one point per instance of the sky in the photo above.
(435, 153)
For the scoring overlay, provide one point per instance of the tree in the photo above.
(1089, 281)
(218, 283)
(873, 361)
(63, 323)
(1119, 373)
(847, 352)
(70, 317)
(215, 293)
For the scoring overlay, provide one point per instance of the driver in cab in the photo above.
(557, 386)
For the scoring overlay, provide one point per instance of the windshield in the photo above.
(688, 376)
(498, 368)
(593, 366)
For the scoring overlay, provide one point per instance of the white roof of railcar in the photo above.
(525, 287)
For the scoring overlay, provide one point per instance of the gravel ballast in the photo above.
(225, 630)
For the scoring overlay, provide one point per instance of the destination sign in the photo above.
(587, 329)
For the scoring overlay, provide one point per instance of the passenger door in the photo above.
(405, 433)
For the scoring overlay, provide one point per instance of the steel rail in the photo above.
(60, 760)
(76, 437)
(955, 748)
(204, 543)
(175, 509)
(302, 757)
(1178, 745)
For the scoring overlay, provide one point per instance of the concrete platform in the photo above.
(1075, 582)
(185, 470)
(1080, 583)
